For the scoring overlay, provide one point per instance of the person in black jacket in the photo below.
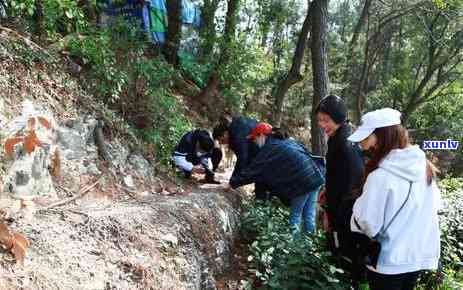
(344, 175)
(286, 168)
(235, 134)
(193, 153)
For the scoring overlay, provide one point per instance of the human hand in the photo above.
(227, 188)
(322, 198)
(198, 170)
(326, 222)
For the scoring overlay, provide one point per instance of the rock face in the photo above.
(29, 143)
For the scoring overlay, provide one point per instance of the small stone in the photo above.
(170, 238)
(93, 169)
(128, 181)
(22, 178)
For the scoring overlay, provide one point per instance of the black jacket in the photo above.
(344, 174)
(244, 149)
(284, 167)
(187, 146)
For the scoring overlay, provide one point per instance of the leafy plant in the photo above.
(59, 16)
(451, 221)
(278, 260)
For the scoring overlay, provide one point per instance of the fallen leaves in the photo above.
(30, 140)
(44, 122)
(10, 143)
(14, 242)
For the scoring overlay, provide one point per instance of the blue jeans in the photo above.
(304, 207)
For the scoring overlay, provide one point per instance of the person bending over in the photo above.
(193, 154)
(286, 168)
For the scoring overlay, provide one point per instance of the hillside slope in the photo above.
(98, 224)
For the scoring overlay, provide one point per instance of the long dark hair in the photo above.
(388, 139)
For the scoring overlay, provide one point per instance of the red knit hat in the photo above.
(261, 128)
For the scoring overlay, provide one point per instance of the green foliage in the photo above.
(172, 127)
(279, 261)
(451, 221)
(96, 50)
(137, 85)
(60, 16)
(247, 73)
(194, 70)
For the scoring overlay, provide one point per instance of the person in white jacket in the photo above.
(399, 203)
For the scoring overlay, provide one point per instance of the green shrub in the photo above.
(451, 225)
(170, 127)
(279, 261)
(59, 16)
(138, 86)
(194, 70)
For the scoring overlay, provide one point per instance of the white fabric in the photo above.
(412, 242)
(182, 163)
(376, 119)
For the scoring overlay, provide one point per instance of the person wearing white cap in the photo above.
(398, 205)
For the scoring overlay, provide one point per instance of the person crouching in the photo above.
(193, 154)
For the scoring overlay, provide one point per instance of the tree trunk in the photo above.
(319, 69)
(207, 32)
(294, 75)
(174, 31)
(358, 27)
(349, 75)
(211, 91)
(89, 9)
(39, 20)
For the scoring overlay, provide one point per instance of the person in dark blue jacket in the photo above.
(234, 134)
(193, 153)
(287, 169)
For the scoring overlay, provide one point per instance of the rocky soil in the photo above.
(120, 223)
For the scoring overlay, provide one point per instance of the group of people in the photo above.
(380, 198)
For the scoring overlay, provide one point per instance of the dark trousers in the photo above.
(406, 281)
(261, 192)
(216, 158)
(348, 254)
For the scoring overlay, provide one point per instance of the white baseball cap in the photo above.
(376, 119)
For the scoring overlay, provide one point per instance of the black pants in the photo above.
(216, 158)
(261, 192)
(348, 255)
(406, 281)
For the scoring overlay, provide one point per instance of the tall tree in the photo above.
(211, 90)
(294, 75)
(174, 31)
(439, 63)
(349, 76)
(318, 41)
(207, 31)
(39, 19)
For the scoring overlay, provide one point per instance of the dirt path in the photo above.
(185, 241)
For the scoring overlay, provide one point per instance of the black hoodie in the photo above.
(344, 174)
